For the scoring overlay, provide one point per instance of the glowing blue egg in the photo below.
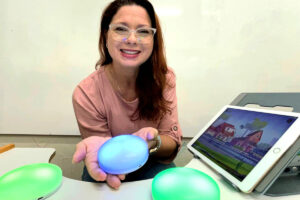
(181, 183)
(123, 154)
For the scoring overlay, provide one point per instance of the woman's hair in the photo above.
(151, 80)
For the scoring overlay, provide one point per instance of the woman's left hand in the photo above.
(149, 134)
(87, 150)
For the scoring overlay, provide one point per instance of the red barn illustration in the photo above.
(249, 142)
(222, 132)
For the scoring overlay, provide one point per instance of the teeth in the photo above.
(130, 52)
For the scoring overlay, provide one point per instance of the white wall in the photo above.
(218, 49)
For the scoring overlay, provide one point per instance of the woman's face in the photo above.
(130, 52)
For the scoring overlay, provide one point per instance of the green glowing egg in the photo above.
(30, 182)
(182, 183)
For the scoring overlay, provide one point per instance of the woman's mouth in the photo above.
(130, 53)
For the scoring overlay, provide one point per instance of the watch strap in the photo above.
(157, 146)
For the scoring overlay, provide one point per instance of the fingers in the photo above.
(92, 165)
(122, 177)
(147, 133)
(113, 181)
(80, 153)
(96, 173)
(152, 134)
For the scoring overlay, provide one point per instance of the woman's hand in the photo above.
(87, 150)
(149, 134)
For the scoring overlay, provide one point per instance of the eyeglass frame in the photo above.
(132, 30)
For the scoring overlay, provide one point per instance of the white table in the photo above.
(138, 190)
(18, 157)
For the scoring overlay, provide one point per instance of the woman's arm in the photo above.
(167, 148)
(94, 131)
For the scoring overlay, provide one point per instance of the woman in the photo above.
(132, 91)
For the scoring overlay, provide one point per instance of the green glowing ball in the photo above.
(30, 182)
(182, 183)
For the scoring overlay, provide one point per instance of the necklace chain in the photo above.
(114, 81)
(126, 95)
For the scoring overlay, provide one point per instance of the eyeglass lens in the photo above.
(122, 33)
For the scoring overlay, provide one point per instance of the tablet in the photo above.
(242, 144)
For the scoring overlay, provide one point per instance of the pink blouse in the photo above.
(101, 111)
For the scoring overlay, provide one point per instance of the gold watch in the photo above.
(157, 146)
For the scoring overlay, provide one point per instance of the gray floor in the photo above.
(183, 156)
(65, 147)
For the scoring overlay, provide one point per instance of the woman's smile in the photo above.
(129, 53)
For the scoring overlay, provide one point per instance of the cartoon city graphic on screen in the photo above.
(238, 139)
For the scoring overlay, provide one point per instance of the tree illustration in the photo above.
(222, 119)
(225, 116)
(255, 125)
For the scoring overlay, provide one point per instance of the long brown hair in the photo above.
(151, 80)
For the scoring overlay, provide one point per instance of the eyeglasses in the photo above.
(122, 33)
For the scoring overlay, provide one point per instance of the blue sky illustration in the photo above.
(277, 124)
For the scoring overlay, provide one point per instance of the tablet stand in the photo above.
(284, 178)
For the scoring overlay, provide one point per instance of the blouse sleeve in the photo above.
(89, 111)
(169, 124)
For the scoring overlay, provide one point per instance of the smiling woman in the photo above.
(129, 51)
(132, 91)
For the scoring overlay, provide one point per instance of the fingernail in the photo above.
(149, 136)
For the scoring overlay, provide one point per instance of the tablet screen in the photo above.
(238, 139)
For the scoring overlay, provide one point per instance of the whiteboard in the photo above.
(218, 49)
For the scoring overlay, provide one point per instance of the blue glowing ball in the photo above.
(123, 154)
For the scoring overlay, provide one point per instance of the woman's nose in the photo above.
(132, 38)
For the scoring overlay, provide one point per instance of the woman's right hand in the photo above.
(87, 150)
(149, 134)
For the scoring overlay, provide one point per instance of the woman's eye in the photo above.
(144, 31)
(121, 29)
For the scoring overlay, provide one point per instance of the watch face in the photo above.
(157, 146)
